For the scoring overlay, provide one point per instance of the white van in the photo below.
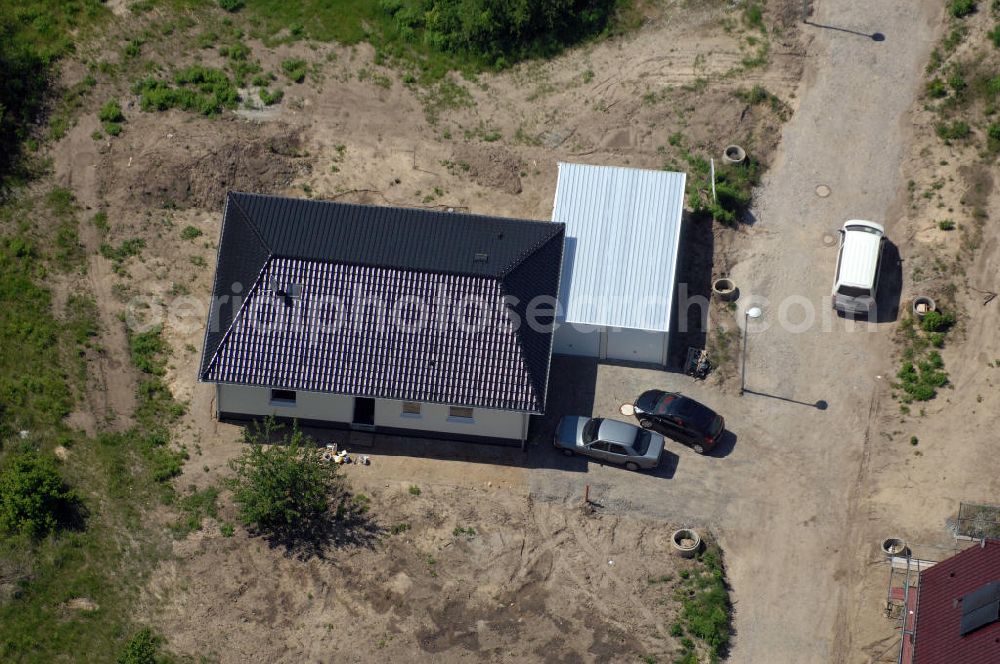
(857, 267)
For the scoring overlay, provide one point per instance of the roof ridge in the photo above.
(236, 317)
(250, 220)
(520, 258)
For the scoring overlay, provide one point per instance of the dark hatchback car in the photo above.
(681, 418)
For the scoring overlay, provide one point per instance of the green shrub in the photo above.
(34, 500)
(957, 82)
(993, 131)
(269, 98)
(148, 349)
(936, 88)
(758, 94)
(936, 321)
(994, 35)
(956, 130)
(132, 49)
(285, 489)
(190, 233)
(706, 612)
(142, 648)
(205, 90)
(961, 8)
(294, 69)
(753, 14)
(946, 225)
(111, 112)
(231, 5)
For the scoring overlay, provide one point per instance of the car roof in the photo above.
(691, 410)
(614, 431)
(859, 255)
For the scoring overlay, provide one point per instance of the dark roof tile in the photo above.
(344, 256)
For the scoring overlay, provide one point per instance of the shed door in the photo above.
(577, 340)
(636, 346)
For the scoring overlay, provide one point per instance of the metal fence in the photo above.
(978, 521)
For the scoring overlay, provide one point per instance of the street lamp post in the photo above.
(752, 312)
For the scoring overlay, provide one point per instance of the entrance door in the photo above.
(364, 413)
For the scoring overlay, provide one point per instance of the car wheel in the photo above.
(697, 447)
(646, 424)
(567, 452)
(631, 466)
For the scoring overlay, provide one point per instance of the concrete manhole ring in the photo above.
(822, 191)
(829, 240)
(627, 409)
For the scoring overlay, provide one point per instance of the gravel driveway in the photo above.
(781, 491)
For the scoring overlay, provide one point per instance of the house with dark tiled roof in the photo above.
(383, 319)
(956, 617)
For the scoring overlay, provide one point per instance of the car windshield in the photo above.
(641, 442)
(590, 430)
(863, 229)
(663, 405)
(854, 291)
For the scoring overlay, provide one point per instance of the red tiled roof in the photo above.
(937, 639)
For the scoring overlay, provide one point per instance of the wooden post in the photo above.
(711, 163)
(586, 494)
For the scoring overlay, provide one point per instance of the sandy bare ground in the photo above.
(537, 581)
(799, 498)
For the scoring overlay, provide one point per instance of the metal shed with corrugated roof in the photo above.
(623, 228)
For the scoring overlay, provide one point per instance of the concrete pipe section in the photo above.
(923, 305)
(686, 542)
(894, 546)
(734, 154)
(725, 289)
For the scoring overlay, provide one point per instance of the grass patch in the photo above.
(961, 8)
(119, 254)
(108, 548)
(191, 233)
(269, 98)
(705, 605)
(194, 506)
(295, 70)
(197, 88)
(414, 490)
(953, 131)
(922, 371)
(734, 185)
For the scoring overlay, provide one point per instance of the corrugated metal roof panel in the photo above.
(622, 234)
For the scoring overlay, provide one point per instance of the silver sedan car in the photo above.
(609, 440)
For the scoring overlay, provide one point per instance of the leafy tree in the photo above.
(502, 31)
(34, 500)
(283, 489)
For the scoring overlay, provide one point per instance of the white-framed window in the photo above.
(460, 414)
(283, 397)
(410, 409)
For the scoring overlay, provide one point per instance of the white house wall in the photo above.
(256, 401)
(339, 409)
(434, 418)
